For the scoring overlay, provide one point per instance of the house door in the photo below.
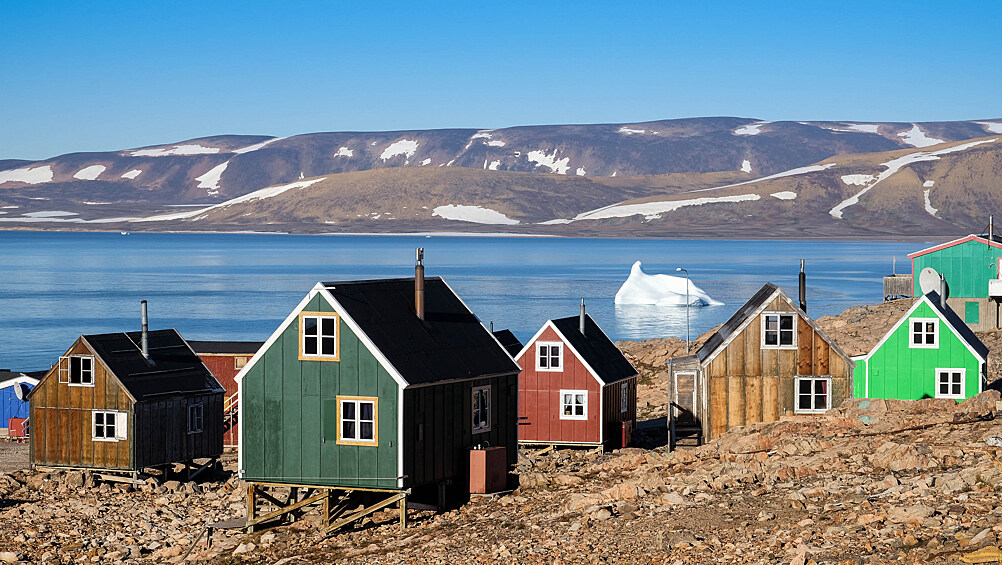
(685, 398)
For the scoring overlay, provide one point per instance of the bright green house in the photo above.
(376, 385)
(971, 267)
(929, 353)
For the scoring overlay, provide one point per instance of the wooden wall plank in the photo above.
(736, 402)
(770, 399)
(718, 397)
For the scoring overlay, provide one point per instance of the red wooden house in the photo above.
(225, 359)
(576, 387)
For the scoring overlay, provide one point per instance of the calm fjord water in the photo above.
(58, 285)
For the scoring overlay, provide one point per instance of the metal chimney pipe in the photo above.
(942, 291)
(419, 284)
(144, 342)
(991, 226)
(803, 287)
(581, 320)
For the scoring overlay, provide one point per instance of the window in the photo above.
(109, 426)
(972, 313)
(778, 331)
(813, 395)
(357, 420)
(318, 336)
(950, 383)
(239, 362)
(77, 370)
(549, 356)
(574, 405)
(195, 418)
(624, 397)
(481, 409)
(924, 333)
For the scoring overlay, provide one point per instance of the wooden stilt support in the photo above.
(339, 506)
(281, 511)
(403, 513)
(366, 511)
(251, 507)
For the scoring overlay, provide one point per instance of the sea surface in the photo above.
(59, 285)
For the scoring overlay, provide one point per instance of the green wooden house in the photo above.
(929, 353)
(379, 385)
(971, 267)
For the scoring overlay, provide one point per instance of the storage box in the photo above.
(488, 470)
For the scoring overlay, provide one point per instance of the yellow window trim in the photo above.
(375, 421)
(337, 338)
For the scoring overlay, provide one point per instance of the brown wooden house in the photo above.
(113, 404)
(768, 360)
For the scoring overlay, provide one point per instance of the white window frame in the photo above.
(779, 332)
(358, 401)
(624, 397)
(320, 355)
(923, 345)
(66, 370)
(963, 382)
(240, 362)
(560, 356)
(481, 391)
(584, 405)
(196, 418)
(796, 395)
(121, 425)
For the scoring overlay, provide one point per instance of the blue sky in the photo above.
(92, 76)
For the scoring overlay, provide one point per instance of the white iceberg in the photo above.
(662, 290)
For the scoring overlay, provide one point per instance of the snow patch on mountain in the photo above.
(426, 162)
(540, 158)
(928, 203)
(581, 172)
(895, 165)
(858, 180)
(188, 149)
(475, 214)
(928, 183)
(90, 173)
(918, 138)
(865, 128)
(210, 180)
(256, 195)
(790, 173)
(496, 143)
(29, 175)
(494, 165)
(750, 129)
(784, 195)
(991, 127)
(344, 152)
(49, 214)
(746, 166)
(651, 209)
(257, 146)
(627, 131)
(405, 147)
(132, 174)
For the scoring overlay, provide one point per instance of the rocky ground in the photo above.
(871, 482)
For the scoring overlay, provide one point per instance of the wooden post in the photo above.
(251, 507)
(403, 512)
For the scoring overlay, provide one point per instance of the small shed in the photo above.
(576, 388)
(12, 406)
(929, 353)
(768, 360)
(375, 386)
(971, 266)
(225, 359)
(110, 403)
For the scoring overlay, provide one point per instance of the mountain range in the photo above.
(699, 177)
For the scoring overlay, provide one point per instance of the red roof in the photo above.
(971, 237)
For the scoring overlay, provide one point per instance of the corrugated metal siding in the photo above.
(289, 411)
(539, 399)
(898, 371)
(438, 428)
(61, 420)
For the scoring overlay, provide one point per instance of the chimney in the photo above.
(144, 342)
(419, 284)
(803, 287)
(581, 320)
(942, 291)
(991, 227)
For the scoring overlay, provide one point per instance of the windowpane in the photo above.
(786, 337)
(366, 410)
(805, 386)
(348, 410)
(804, 402)
(309, 325)
(366, 431)
(330, 345)
(310, 345)
(771, 323)
(786, 322)
(109, 427)
(348, 429)
(99, 418)
(554, 357)
(543, 357)
(329, 326)
(956, 389)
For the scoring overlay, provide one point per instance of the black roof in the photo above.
(226, 347)
(450, 343)
(962, 328)
(508, 340)
(596, 349)
(6, 374)
(173, 369)
(731, 325)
